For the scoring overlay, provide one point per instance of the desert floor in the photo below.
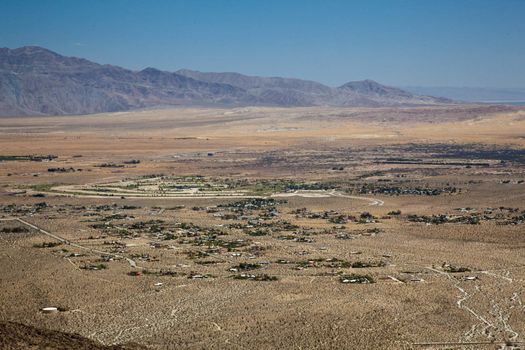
(264, 228)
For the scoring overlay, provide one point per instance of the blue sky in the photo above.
(397, 42)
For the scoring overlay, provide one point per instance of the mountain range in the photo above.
(37, 81)
(472, 94)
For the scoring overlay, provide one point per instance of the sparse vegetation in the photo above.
(47, 245)
(94, 267)
(180, 238)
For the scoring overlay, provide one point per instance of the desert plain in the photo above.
(264, 228)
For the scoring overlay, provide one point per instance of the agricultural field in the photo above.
(244, 228)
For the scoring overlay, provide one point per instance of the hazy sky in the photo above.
(411, 42)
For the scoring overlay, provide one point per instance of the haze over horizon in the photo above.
(410, 43)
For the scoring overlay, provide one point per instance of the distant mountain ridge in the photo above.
(297, 92)
(37, 81)
(473, 94)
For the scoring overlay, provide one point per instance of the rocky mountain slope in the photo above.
(37, 81)
(17, 336)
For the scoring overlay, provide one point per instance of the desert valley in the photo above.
(264, 227)
(260, 175)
